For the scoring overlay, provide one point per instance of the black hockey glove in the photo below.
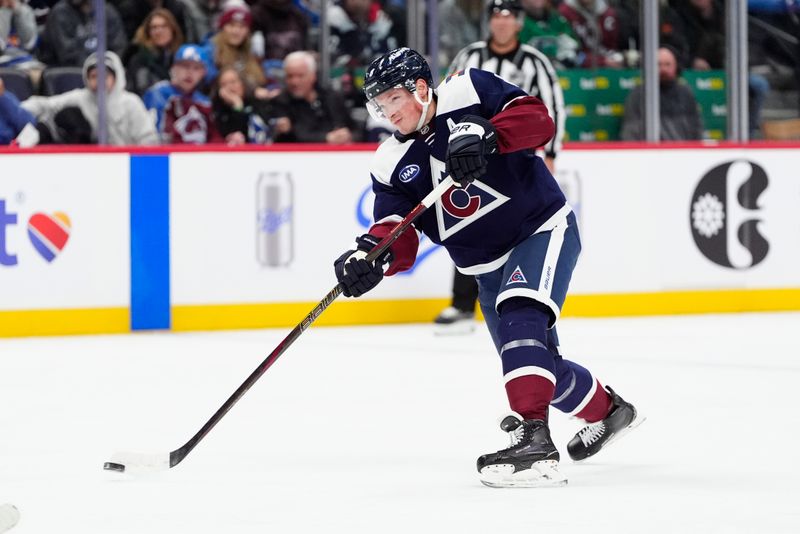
(355, 273)
(470, 142)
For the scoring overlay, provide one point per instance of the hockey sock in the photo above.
(598, 406)
(578, 393)
(528, 366)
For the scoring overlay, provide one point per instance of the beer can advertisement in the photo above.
(274, 233)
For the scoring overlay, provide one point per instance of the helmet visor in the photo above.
(387, 103)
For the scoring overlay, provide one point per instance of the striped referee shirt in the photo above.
(526, 68)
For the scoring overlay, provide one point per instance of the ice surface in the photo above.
(377, 429)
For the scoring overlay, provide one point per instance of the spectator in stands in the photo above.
(69, 35)
(18, 34)
(671, 31)
(240, 117)
(360, 30)
(305, 112)
(284, 26)
(128, 121)
(134, 12)
(597, 28)
(41, 8)
(545, 29)
(705, 22)
(150, 55)
(231, 46)
(182, 113)
(13, 117)
(679, 110)
(705, 30)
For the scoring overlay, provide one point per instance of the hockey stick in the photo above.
(137, 462)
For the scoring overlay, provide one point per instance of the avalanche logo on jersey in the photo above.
(458, 208)
(517, 277)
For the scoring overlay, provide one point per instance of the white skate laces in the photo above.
(592, 433)
(516, 435)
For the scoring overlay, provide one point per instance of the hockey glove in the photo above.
(470, 142)
(355, 273)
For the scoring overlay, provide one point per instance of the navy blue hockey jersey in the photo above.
(479, 225)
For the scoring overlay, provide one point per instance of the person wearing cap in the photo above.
(182, 113)
(528, 68)
(231, 46)
(128, 121)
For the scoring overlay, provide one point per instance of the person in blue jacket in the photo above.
(13, 117)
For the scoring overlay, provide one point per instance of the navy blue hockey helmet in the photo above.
(401, 67)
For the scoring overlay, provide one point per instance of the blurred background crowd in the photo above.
(264, 71)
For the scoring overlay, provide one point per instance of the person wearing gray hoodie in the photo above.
(128, 120)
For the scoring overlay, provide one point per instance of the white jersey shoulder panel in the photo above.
(386, 158)
(456, 92)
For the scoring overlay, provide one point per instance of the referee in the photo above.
(526, 67)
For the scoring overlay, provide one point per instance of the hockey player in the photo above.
(508, 223)
(528, 68)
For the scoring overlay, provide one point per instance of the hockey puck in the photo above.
(111, 466)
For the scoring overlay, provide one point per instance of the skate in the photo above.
(452, 321)
(530, 462)
(622, 418)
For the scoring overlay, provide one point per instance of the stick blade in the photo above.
(137, 463)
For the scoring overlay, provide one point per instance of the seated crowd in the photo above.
(244, 76)
(240, 71)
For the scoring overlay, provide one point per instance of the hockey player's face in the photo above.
(400, 107)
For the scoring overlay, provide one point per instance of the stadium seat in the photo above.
(18, 82)
(57, 80)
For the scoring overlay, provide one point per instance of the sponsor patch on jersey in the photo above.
(408, 173)
(517, 277)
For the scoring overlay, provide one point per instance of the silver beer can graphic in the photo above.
(274, 219)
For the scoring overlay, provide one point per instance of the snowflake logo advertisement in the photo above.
(723, 214)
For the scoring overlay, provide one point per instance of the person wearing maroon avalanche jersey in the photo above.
(508, 223)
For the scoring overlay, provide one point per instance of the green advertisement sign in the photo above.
(595, 101)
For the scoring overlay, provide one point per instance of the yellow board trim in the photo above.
(343, 312)
(64, 322)
(365, 312)
(349, 312)
(682, 302)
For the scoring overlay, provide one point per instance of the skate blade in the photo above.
(543, 474)
(640, 418)
(459, 328)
